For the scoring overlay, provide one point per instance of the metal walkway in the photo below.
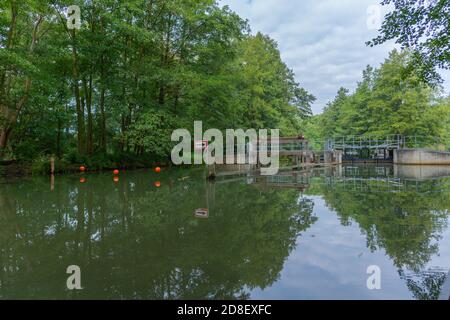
(374, 148)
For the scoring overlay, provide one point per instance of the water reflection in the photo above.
(402, 216)
(134, 240)
(427, 284)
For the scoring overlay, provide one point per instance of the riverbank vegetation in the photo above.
(110, 92)
(113, 91)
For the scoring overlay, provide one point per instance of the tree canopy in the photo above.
(423, 26)
(388, 100)
(104, 88)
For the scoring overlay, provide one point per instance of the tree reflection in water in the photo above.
(132, 240)
(404, 217)
(425, 285)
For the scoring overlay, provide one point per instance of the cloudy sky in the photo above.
(323, 41)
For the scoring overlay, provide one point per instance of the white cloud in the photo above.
(323, 41)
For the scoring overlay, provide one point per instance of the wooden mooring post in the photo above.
(52, 165)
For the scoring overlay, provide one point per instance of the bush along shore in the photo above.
(45, 165)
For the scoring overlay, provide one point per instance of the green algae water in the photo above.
(308, 235)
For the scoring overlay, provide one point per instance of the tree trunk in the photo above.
(102, 102)
(58, 139)
(10, 110)
(88, 98)
(162, 95)
(164, 60)
(176, 99)
(102, 121)
(81, 138)
(4, 136)
(9, 44)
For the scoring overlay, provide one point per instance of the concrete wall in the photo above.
(421, 157)
(424, 172)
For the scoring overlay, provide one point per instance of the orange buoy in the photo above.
(116, 172)
(82, 180)
(82, 168)
(116, 179)
(157, 184)
(157, 169)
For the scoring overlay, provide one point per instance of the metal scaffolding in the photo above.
(366, 147)
(366, 142)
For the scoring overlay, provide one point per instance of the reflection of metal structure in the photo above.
(374, 184)
(292, 180)
(380, 184)
(386, 178)
(351, 178)
(445, 291)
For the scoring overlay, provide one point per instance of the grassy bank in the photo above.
(71, 163)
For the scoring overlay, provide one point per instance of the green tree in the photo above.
(268, 93)
(93, 91)
(423, 27)
(389, 100)
(22, 25)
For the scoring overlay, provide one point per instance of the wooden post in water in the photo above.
(52, 165)
(211, 168)
(52, 173)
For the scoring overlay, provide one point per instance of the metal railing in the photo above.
(388, 142)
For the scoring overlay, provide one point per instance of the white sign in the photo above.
(202, 213)
(200, 145)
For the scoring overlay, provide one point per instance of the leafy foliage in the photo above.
(118, 84)
(423, 26)
(388, 100)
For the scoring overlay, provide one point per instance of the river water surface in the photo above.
(292, 236)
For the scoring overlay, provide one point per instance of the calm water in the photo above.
(310, 236)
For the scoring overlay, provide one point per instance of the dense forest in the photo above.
(113, 90)
(110, 91)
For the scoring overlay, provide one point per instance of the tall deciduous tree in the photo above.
(99, 88)
(389, 100)
(22, 31)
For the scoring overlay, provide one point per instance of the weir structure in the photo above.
(396, 149)
(294, 153)
(366, 148)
